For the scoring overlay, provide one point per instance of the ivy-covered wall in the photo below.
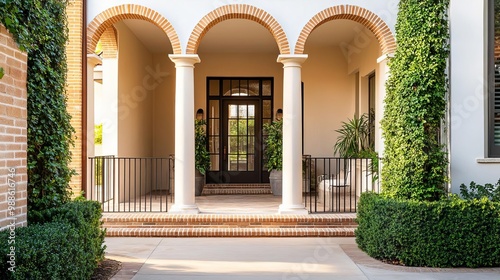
(40, 28)
(415, 161)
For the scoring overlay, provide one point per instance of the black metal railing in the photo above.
(125, 184)
(335, 184)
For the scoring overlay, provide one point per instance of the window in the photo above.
(494, 80)
(371, 108)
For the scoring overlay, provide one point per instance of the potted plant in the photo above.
(274, 154)
(202, 157)
(354, 142)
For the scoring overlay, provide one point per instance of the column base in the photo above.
(292, 210)
(184, 209)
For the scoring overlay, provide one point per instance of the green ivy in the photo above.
(1, 72)
(40, 28)
(415, 163)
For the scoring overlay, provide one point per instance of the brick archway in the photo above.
(109, 43)
(115, 14)
(373, 22)
(237, 11)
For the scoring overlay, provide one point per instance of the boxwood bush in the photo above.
(63, 243)
(451, 232)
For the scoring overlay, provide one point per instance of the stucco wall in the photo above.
(13, 133)
(135, 95)
(164, 107)
(468, 70)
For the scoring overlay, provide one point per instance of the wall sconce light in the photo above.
(279, 114)
(199, 114)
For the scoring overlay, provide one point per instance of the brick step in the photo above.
(230, 189)
(228, 225)
(230, 232)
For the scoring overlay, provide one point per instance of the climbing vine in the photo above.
(414, 164)
(40, 29)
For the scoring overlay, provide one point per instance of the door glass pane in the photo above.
(233, 145)
(266, 109)
(253, 87)
(213, 125)
(244, 88)
(213, 88)
(251, 145)
(251, 127)
(226, 87)
(266, 87)
(242, 145)
(233, 127)
(214, 109)
(214, 163)
(251, 163)
(242, 162)
(242, 127)
(213, 145)
(243, 111)
(251, 111)
(233, 111)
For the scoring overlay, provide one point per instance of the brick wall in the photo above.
(74, 90)
(13, 133)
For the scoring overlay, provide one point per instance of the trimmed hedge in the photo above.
(64, 243)
(447, 233)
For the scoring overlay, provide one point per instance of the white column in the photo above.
(110, 116)
(184, 135)
(92, 61)
(292, 135)
(382, 76)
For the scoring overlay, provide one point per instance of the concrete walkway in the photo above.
(264, 258)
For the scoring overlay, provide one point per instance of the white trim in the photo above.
(384, 57)
(488, 160)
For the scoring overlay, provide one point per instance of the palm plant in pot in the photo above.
(202, 157)
(274, 154)
(354, 141)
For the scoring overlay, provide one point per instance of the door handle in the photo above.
(225, 152)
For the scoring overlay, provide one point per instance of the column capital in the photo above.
(184, 60)
(292, 60)
(93, 59)
(384, 57)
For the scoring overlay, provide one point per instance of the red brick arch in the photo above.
(109, 43)
(115, 14)
(373, 22)
(237, 11)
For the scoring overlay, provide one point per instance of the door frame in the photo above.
(221, 176)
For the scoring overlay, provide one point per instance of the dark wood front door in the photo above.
(235, 132)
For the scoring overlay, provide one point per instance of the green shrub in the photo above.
(447, 233)
(61, 243)
(273, 152)
(46, 251)
(475, 191)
